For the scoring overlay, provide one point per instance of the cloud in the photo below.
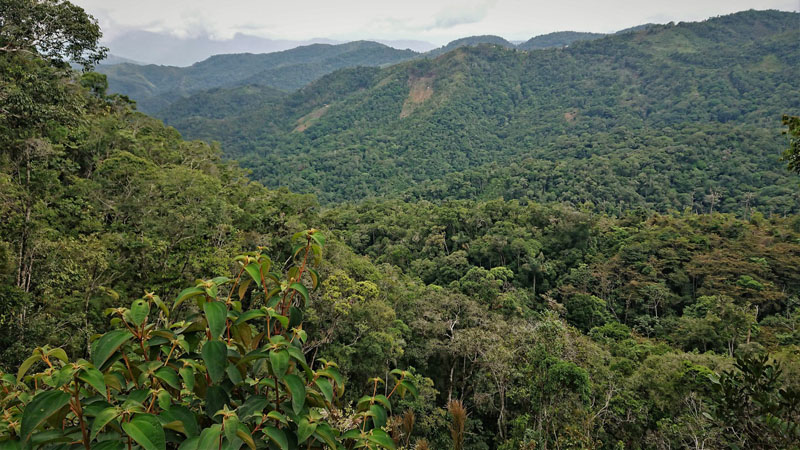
(462, 14)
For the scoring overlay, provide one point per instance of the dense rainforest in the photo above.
(666, 117)
(152, 295)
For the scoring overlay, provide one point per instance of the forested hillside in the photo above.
(153, 296)
(155, 87)
(557, 40)
(669, 117)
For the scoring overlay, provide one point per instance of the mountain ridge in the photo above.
(489, 105)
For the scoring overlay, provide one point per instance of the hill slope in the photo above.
(155, 87)
(661, 118)
(557, 39)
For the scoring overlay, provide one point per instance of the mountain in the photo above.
(557, 39)
(167, 49)
(112, 59)
(155, 87)
(411, 44)
(470, 42)
(671, 117)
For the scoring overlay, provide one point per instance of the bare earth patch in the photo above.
(420, 89)
(306, 121)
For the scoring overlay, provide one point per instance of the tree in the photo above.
(792, 154)
(54, 29)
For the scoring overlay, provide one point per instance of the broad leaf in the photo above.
(168, 376)
(187, 294)
(140, 309)
(280, 362)
(103, 348)
(302, 290)
(278, 437)
(216, 313)
(44, 405)
(215, 355)
(147, 431)
(298, 391)
(95, 379)
(102, 419)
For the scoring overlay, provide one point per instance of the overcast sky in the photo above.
(436, 21)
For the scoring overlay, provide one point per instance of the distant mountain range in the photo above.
(155, 87)
(661, 117)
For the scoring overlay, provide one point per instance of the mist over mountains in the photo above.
(147, 47)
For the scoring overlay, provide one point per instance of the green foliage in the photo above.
(156, 88)
(242, 381)
(669, 117)
(792, 154)
(55, 29)
(557, 39)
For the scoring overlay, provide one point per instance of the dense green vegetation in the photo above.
(519, 323)
(670, 117)
(156, 87)
(557, 40)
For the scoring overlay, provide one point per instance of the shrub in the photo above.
(228, 373)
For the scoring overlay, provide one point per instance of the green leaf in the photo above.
(108, 445)
(209, 438)
(231, 426)
(298, 391)
(280, 362)
(324, 434)
(147, 431)
(305, 430)
(378, 415)
(10, 445)
(319, 237)
(187, 294)
(102, 419)
(278, 437)
(95, 379)
(244, 434)
(254, 404)
(168, 376)
(302, 290)
(43, 405)
(140, 309)
(185, 416)
(215, 355)
(409, 386)
(187, 373)
(254, 270)
(23, 368)
(243, 287)
(325, 387)
(216, 313)
(59, 354)
(381, 438)
(106, 346)
(250, 315)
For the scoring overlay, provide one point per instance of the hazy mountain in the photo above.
(112, 59)
(471, 41)
(166, 49)
(656, 118)
(557, 39)
(155, 87)
(410, 44)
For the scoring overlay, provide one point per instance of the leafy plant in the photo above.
(227, 373)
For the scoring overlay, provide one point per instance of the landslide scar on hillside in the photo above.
(306, 121)
(419, 90)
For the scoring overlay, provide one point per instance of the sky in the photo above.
(435, 21)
